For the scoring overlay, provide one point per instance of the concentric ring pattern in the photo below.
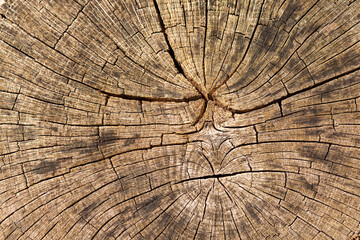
(182, 119)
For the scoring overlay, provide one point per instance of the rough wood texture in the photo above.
(182, 119)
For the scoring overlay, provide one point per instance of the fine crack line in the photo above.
(68, 26)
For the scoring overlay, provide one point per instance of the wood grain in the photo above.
(183, 119)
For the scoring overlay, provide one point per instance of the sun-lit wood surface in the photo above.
(183, 119)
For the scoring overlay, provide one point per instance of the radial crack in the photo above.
(245, 54)
(172, 53)
(231, 174)
(149, 99)
(278, 101)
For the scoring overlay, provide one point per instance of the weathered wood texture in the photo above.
(182, 119)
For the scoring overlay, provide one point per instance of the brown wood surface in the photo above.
(182, 119)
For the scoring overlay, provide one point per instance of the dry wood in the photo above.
(182, 119)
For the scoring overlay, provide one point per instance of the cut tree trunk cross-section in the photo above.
(184, 119)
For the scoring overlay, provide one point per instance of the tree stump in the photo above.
(184, 119)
